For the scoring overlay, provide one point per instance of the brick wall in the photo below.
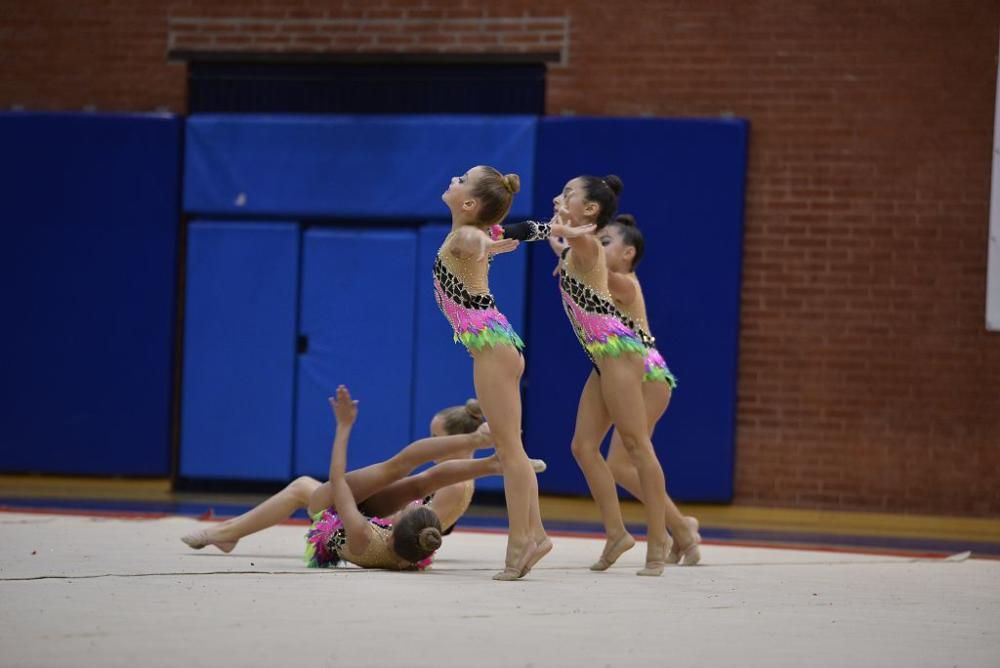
(867, 379)
(383, 31)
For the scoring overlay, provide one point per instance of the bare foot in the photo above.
(200, 539)
(612, 550)
(516, 569)
(655, 559)
(690, 554)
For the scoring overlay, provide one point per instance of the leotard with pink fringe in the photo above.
(657, 370)
(474, 318)
(599, 325)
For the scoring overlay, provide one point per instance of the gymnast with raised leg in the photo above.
(368, 517)
(479, 200)
(624, 247)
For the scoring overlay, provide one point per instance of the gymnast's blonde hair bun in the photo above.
(461, 419)
(512, 182)
(473, 408)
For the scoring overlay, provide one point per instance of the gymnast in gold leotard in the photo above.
(479, 200)
(401, 515)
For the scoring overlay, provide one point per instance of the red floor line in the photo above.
(113, 514)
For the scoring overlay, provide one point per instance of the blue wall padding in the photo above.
(684, 182)
(345, 166)
(443, 368)
(239, 350)
(358, 310)
(87, 283)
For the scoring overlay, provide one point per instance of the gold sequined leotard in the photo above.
(326, 544)
(378, 553)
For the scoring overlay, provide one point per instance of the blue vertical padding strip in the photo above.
(684, 182)
(443, 368)
(239, 350)
(358, 309)
(87, 281)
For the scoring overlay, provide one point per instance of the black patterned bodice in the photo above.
(456, 291)
(586, 297)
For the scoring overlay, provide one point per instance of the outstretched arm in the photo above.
(355, 524)
(471, 242)
(532, 230)
(529, 230)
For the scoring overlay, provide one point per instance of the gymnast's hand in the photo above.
(490, 247)
(344, 408)
(567, 232)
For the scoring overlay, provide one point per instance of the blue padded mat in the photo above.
(239, 350)
(88, 282)
(684, 182)
(345, 166)
(358, 309)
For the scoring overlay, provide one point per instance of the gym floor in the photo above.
(92, 573)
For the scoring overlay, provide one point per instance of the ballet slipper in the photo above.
(543, 547)
(612, 551)
(537, 465)
(508, 574)
(690, 555)
(200, 539)
(517, 571)
(655, 561)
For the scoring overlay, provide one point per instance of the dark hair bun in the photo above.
(626, 219)
(429, 539)
(614, 183)
(473, 408)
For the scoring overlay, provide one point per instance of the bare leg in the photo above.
(621, 385)
(592, 423)
(369, 480)
(397, 495)
(437, 479)
(496, 373)
(272, 511)
(656, 398)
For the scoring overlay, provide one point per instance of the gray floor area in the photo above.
(78, 591)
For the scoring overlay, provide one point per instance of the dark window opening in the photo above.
(367, 88)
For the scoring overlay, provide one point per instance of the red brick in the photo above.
(865, 372)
